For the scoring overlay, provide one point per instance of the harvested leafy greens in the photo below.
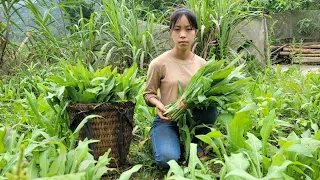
(215, 84)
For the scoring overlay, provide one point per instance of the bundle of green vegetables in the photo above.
(77, 84)
(215, 84)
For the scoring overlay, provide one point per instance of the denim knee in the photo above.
(165, 142)
(164, 157)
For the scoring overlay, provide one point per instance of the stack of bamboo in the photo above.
(306, 53)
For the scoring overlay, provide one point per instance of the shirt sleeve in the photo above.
(152, 84)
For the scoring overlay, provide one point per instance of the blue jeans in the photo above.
(165, 141)
(165, 135)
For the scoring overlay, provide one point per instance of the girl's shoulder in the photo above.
(200, 60)
(160, 60)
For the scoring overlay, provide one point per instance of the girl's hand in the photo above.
(160, 110)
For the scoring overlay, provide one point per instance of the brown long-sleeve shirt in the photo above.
(164, 73)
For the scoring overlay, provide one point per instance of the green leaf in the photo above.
(298, 148)
(194, 161)
(57, 167)
(175, 169)
(250, 107)
(74, 176)
(240, 173)
(317, 137)
(82, 151)
(237, 128)
(99, 172)
(293, 137)
(228, 87)
(311, 144)
(88, 97)
(33, 103)
(121, 95)
(75, 134)
(314, 127)
(101, 167)
(3, 131)
(71, 162)
(266, 130)
(237, 161)
(94, 90)
(90, 172)
(286, 177)
(58, 80)
(200, 174)
(208, 140)
(225, 119)
(221, 74)
(144, 112)
(255, 145)
(187, 136)
(32, 171)
(127, 174)
(175, 177)
(44, 159)
(84, 165)
(278, 158)
(276, 171)
(233, 62)
(59, 91)
(110, 85)
(201, 98)
(214, 134)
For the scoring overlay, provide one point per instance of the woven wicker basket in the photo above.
(114, 130)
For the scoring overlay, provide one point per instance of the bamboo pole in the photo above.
(313, 60)
(304, 46)
(303, 51)
(285, 53)
(314, 46)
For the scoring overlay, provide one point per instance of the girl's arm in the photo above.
(152, 85)
(159, 107)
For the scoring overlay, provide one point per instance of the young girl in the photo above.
(176, 65)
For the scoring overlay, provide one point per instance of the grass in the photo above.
(112, 36)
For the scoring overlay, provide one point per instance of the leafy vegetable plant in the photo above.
(78, 84)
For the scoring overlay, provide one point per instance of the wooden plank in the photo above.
(305, 46)
(303, 51)
(306, 60)
(314, 46)
(285, 53)
(307, 55)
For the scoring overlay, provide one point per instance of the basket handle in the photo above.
(123, 112)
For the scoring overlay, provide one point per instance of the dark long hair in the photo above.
(178, 13)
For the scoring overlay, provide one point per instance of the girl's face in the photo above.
(183, 34)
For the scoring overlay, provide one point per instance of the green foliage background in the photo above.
(272, 131)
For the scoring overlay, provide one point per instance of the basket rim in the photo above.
(103, 103)
(99, 106)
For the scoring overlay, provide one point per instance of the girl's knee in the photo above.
(163, 158)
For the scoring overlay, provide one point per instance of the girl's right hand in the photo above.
(160, 110)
